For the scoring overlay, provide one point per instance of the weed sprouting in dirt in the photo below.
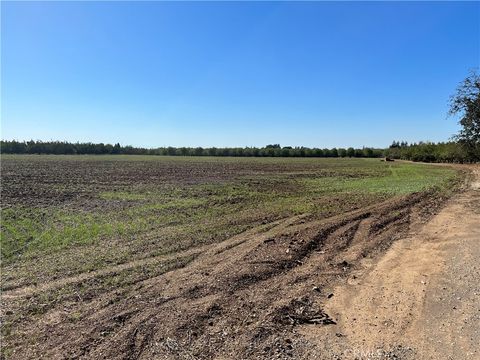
(86, 239)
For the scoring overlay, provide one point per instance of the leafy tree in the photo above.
(395, 144)
(116, 149)
(466, 103)
(286, 151)
(368, 152)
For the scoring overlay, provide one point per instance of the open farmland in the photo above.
(195, 257)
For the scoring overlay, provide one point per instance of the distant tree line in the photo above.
(275, 150)
(465, 146)
(452, 151)
(449, 152)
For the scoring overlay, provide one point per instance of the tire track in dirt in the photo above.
(276, 226)
(83, 277)
(243, 298)
(420, 301)
(217, 249)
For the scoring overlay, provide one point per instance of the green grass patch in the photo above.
(179, 203)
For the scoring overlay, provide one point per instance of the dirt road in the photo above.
(422, 299)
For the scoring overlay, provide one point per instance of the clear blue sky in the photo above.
(234, 74)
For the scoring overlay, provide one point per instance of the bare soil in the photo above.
(75, 181)
(421, 300)
(398, 279)
(284, 290)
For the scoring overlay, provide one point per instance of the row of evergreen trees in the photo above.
(456, 152)
(61, 147)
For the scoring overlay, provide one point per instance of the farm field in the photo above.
(192, 257)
